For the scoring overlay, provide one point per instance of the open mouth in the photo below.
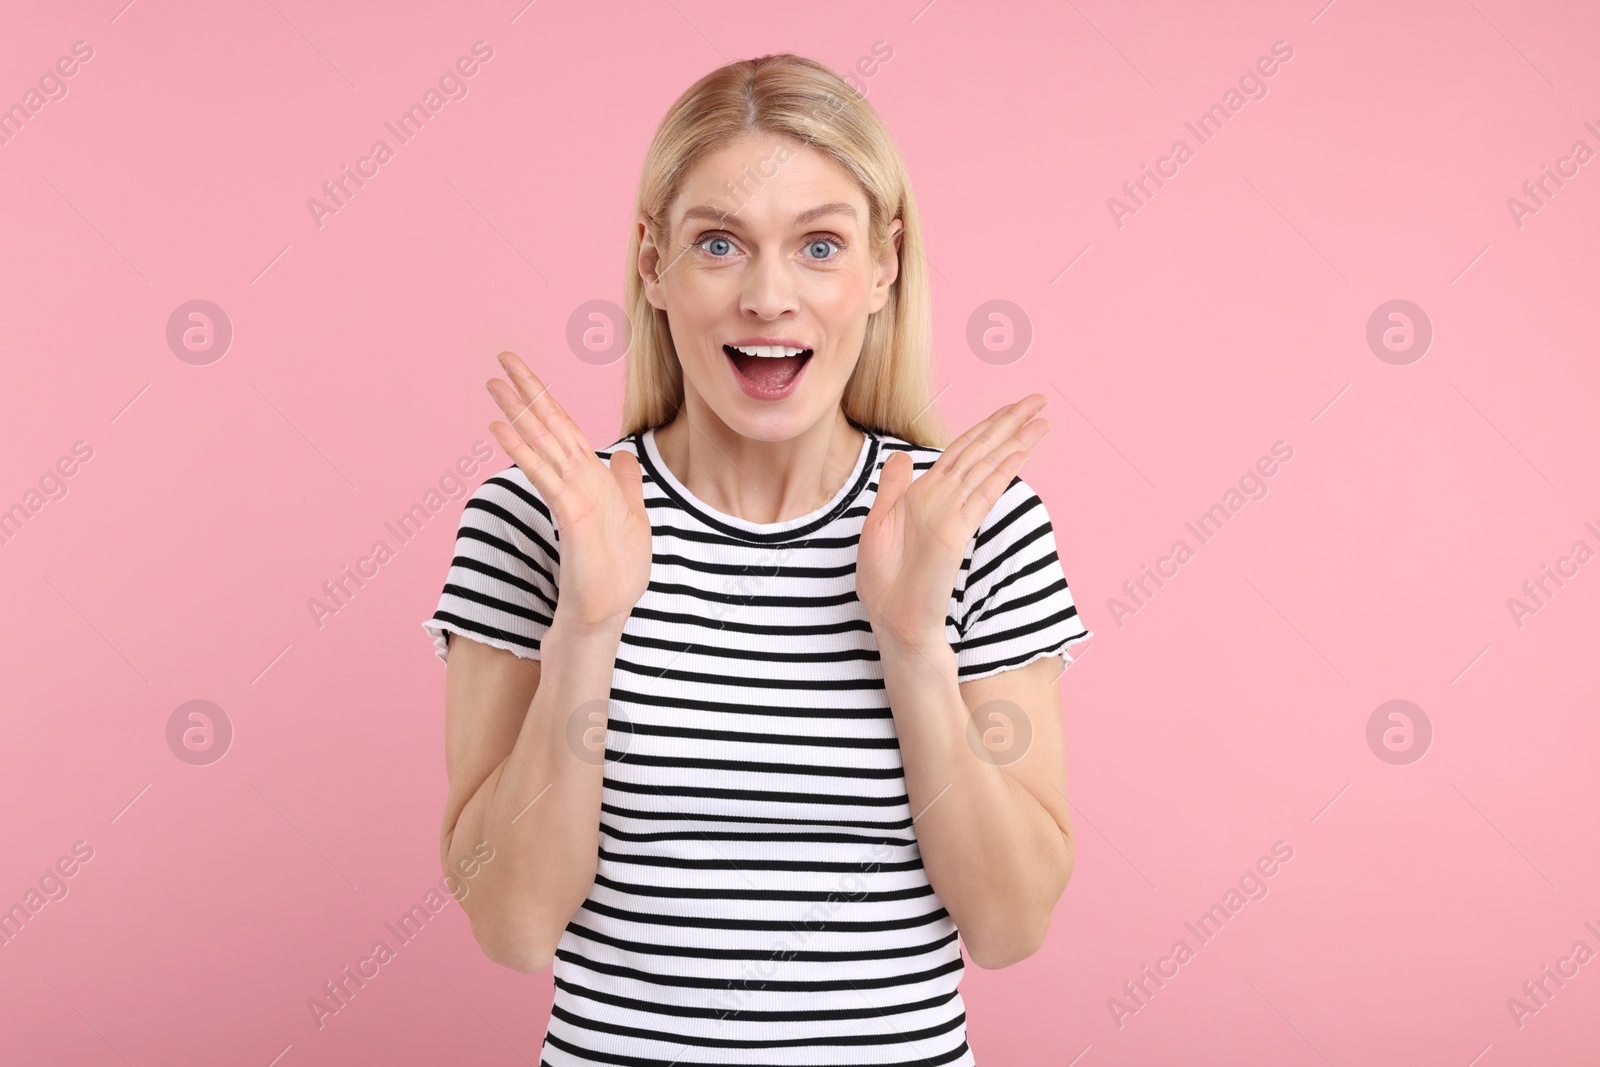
(767, 369)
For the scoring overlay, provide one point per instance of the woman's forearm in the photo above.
(540, 808)
(994, 855)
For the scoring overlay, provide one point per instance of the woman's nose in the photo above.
(769, 289)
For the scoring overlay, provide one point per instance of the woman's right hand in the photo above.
(599, 511)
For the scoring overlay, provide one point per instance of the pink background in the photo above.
(1230, 312)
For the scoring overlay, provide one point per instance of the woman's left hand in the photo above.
(916, 533)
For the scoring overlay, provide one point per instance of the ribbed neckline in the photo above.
(734, 526)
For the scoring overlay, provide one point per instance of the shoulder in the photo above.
(509, 497)
(1019, 518)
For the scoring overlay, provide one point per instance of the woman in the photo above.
(732, 774)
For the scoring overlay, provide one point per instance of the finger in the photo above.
(544, 478)
(540, 399)
(893, 481)
(997, 429)
(630, 479)
(533, 397)
(556, 435)
(982, 499)
(529, 424)
(952, 451)
(1025, 438)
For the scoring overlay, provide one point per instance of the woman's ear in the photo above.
(650, 263)
(888, 264)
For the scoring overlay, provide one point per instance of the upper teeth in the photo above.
(767, 351)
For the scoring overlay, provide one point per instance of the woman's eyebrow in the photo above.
(826, 209)
(721, 215)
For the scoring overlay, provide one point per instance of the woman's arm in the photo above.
(991, 818)
(525, 743)
(523, 779)
(997, 851)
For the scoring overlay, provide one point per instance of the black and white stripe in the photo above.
(760, 898)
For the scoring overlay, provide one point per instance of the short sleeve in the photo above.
(1013, 605)
(501, 587)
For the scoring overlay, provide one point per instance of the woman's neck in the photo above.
(758, 481)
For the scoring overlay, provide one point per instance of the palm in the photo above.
(905, 555)
(915, 535)
(605, 540)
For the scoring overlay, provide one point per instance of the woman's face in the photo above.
(767, 282)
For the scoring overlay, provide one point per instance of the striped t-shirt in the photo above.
(760, 898)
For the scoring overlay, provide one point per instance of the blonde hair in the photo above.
(800, 99)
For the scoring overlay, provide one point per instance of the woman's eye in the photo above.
(719, 247)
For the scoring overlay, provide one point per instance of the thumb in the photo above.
(625, 469)
(893, 480)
